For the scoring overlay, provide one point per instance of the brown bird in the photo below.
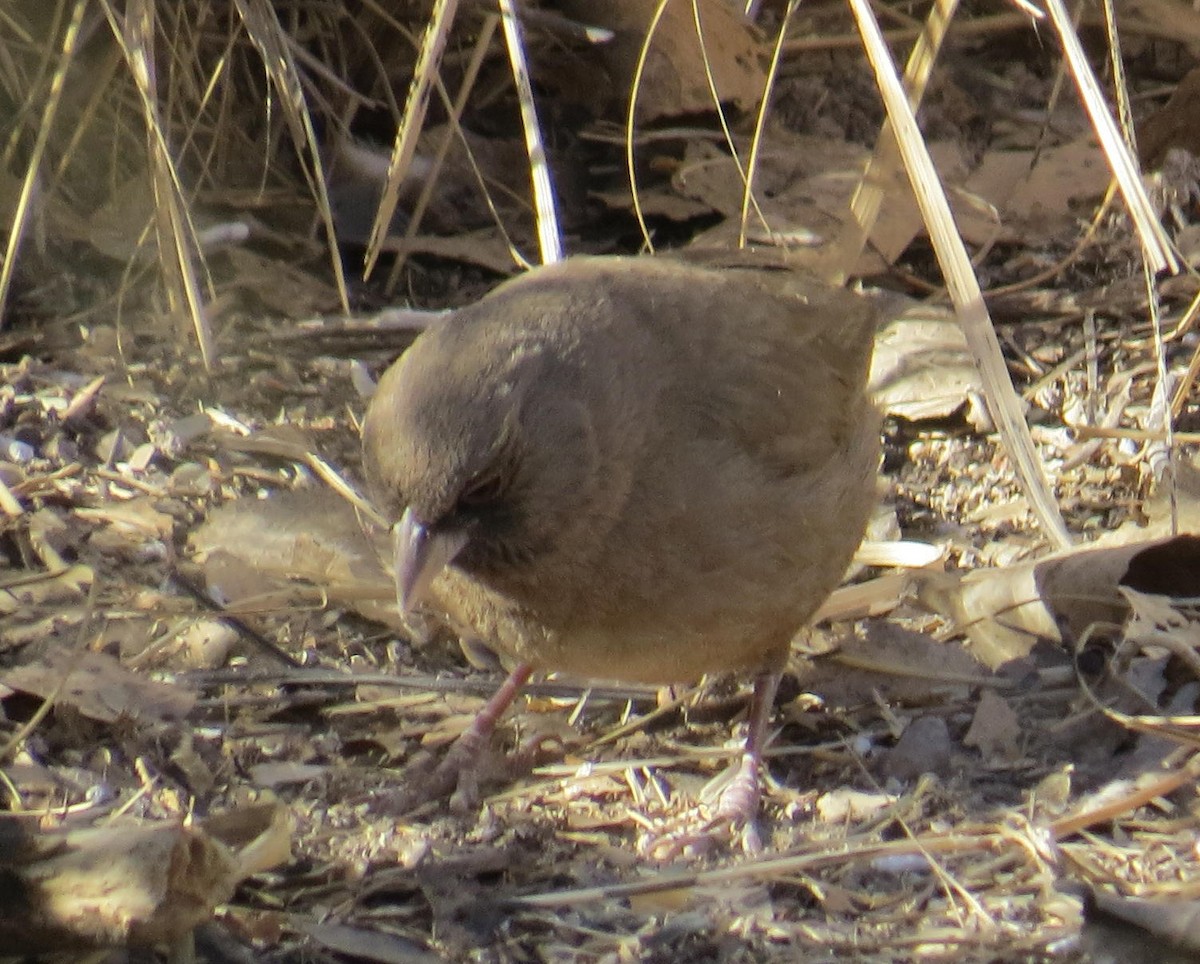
(637, 469)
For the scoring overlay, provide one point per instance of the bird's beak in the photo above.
(419, 555)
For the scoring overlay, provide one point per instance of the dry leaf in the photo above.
(922, 368)
(59, 590)
(1176, 921)
(923, 747)
(259, 835)
(896, 664)
(369, 945)
(995, 729)
(1006, 611)
(100, 688)
(803, 187)
(109, 886)
(675, 78)
(486, 247)
(253, 547)
(847, 806)
(1038, 193)
(1175, 124)
(284, 289)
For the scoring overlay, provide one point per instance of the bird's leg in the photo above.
(738, 803)
(457, 772)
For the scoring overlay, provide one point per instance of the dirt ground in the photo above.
(195, 632)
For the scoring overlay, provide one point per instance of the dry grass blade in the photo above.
(964, 290)
(1165, 450)
(103, 76)
(631, 122)
(868, 198)
(134, 34)
(267, 35)
(1155, 245)
(13, 26)
(280, 448)
(10, 505)
(1053, 777)
(717, 96)
(1183, 389)
(760, 124)
(22, 90)
(1089, 815)
(454, 111)
(433, 43)
(548, 230)
(776, 867)
(745, 172)
(29, 184)
(988, 24)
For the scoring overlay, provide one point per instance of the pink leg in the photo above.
(737, 806)
(475, 738)
(458, 767)
(738, 802)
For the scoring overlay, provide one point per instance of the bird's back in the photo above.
(738, 396)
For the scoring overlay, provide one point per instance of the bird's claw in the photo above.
(695, 835)
(732, 820)
(430, 780)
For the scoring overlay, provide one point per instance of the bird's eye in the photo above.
(486, 489)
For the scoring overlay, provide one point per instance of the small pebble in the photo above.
(923, 747)
(14, 449)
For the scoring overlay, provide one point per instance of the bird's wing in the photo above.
(780, 366)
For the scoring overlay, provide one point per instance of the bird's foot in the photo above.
(734, 815)
(457, 774)
(730, 821)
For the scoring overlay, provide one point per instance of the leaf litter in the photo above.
(194, 627)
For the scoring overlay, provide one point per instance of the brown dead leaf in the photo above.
(486, 247)
(1175, 921)
(848, 806)
(368, 945)
(1005, 611)
(284, 772)
(309, 533)
(686, 47)
(654, 202)
(46, 589)
(252, 547)
(1157, 623)
(803, 187)
(121, 228)
(788, 162)
(1175, 19)
(1175, 124)
(100, 688)
(995, 729)
(260, 835)
(896, 664)
(284, 289)
(130, 527)
(922, 367)
(1038, 193)
(924, 747)
(109, 886)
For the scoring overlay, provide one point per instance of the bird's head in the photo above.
(476, 445)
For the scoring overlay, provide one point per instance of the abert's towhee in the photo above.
(638, 469)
